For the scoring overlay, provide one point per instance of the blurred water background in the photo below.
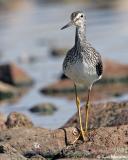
(32, 28)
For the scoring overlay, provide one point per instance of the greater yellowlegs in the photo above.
(82, 64)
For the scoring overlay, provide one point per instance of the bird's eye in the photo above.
(81, 16)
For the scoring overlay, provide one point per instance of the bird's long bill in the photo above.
(67, 25)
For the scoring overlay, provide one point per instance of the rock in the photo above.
(58, 51)
(38, 157)
(29, 58)
(107, 137)
(44, 109)
(115, 70)
(55, 144)
(102, 4)
(60, 87)
(2, 122)
(7, 91)
(11, 94)
(15, 119)
(103, 115)
(114, 83)
(102, 143)
(14, 75)
(113, 5)
(34, 156)
(65, 88)
(34, 141)
(7, 152)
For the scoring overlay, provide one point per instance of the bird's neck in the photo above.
(80, 37)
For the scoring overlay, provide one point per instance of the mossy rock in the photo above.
(44, 109)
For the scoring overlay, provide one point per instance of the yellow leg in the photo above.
(80, 119)
(86, 112)
(86, 118)
(79, 114)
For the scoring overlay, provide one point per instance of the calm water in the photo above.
(34, 30)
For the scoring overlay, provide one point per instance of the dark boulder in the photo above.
(44, 109)
(12, 74)
(58, 51)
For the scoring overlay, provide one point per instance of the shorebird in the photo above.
(82, 64)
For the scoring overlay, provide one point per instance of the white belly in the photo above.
(80, 73)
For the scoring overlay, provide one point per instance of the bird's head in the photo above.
(77, 18)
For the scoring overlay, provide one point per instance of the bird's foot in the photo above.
(82, 135)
